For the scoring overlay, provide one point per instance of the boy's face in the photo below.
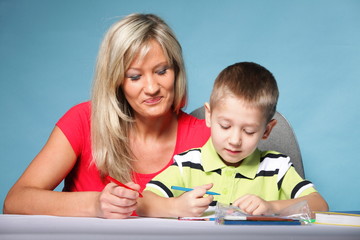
(236, 129)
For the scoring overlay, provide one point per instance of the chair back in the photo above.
(282, 139)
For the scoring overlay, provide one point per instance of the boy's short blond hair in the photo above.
(250, 82)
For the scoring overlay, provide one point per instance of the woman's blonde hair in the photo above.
(112, 116)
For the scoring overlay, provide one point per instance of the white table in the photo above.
(52, 228)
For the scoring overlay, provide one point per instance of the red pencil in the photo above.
(122, 185)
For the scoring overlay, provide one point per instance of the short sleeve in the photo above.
(161, 184)
(294, 186)
(75, 124)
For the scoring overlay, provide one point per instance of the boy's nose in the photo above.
(235, 138)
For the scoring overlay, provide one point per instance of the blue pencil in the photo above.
(244, 222)
(190, 189)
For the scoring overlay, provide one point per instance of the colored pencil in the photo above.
(122, 185)
(190, 189)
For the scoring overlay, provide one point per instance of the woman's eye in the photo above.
(134, 77)
(162, 71)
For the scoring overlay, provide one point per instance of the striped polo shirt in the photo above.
(269, 175)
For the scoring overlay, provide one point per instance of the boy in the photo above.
(240, 114)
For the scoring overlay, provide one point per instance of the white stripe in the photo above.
(151, 185)
(192, 156)
(303, 188)
(272, 164)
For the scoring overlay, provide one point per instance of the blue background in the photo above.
(48, 51)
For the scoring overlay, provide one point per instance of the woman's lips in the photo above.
(153, 100)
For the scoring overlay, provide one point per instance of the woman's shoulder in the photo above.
(79, 110)
(192, 132)
(75, 124)
(84, 106)
(187, 119)
(78, 113)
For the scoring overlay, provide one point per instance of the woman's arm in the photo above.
(33, 192)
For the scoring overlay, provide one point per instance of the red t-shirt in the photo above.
(75, 124)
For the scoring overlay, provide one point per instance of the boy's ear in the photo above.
(269, 128)
(207, 114)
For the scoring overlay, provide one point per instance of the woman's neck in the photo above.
(152, 141)
(145, 128)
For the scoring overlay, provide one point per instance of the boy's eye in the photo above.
(249, 132)
(224, 126)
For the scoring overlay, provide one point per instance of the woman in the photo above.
(130, 130)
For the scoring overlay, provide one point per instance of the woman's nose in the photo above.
(151, 85)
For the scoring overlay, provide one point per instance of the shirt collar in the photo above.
(211, 161)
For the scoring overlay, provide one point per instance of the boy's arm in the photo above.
(152, 205)
(255, 205)
(315, 201)
(189, 204)
(292, 180)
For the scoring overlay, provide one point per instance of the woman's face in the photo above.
(149, 83)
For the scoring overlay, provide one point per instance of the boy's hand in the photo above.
(254, 205)
(193, 203)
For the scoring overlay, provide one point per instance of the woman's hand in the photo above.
(254, 205)
(193, 203)
(117, 202)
